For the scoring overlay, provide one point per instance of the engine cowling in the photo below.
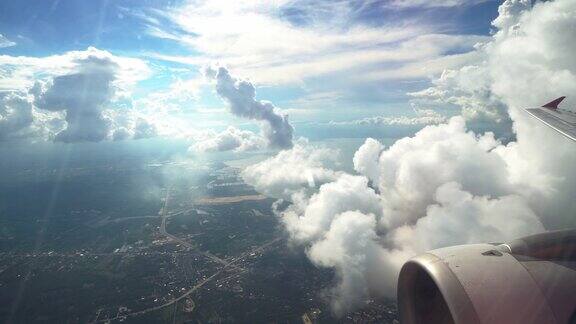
(529, 280)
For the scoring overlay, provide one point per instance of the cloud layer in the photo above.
(433, 3)
(445, 185)
(423, 117)
(288, 42)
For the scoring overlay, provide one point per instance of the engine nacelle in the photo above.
(528, 281)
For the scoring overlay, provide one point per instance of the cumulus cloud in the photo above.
(443, 186)
(231, 139)
(530, 64)
(293, 172)
(83, 95)
(348, 192)
(351, 247)
(509, 13)
(78, 96)
(446, 185)
(131, 126)
(467, 89)
(241, 98)
(144, 129)
(366, 159)
(20, 119)
(412, 169)
(459, 217)
(15, 113)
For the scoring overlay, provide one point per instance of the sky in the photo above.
(322, 63)
(433, 90)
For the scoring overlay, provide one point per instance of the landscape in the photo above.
(150, 239)
(288, 161)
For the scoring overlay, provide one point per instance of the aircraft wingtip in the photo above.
(554, 103)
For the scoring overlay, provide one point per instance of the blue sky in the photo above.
(318, 61)
(54, 26)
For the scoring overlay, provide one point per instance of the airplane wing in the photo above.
(562, 121)
(530, 280)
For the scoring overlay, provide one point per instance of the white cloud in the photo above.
(77, 96)
(446, 185)
(412, 169)
(5, 42)
(310, 221)
(458, 217)
(527, 63)
(20, 119)
(433, 3)
(423, 117)
(20, 72)
(231, 139)
(252, 32)
(83, 95)
(362, 265)
(425, 68)
(530, 66)
(468, 89)
(300, 169)
(15, 113)
(144, 129)
(366, 159)
(241, 98)
(254, 39)
(443, 186)
(509, 14)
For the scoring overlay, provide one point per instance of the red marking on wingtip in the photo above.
(554, 103)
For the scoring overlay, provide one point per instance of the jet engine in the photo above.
(531, 280)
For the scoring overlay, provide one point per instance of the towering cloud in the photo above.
(411, 170)
(447, 185)
(531, 63)
(241, 98)
(83, 94)
(76, 96)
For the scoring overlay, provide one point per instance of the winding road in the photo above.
(225, 265)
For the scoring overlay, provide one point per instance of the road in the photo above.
(166, 304)
(164, 215)
(257, 249)
(225, 265)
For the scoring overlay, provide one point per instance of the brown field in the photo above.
(227, 200)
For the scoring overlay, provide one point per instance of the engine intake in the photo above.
(530, 280)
